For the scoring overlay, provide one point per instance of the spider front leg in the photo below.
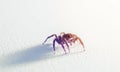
(49, 37)
(81, 42)
(75, 37)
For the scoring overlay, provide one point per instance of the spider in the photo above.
(65, 38)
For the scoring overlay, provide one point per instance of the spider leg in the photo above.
(75, 37)
(54, 44)
(67, 45)
(63, 48)
(49, 37)
(81, 42)
(70, 42)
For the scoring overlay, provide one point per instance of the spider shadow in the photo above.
(32, 54)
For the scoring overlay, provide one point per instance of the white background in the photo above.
(24, 25)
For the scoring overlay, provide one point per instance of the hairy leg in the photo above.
(54, 44)
(63, 48)
(49, 37)
(67, 45)
(81, 43)
(75, 37)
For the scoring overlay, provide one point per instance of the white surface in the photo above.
(24, 24)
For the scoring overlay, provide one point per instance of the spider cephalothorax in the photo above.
(65, 39)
